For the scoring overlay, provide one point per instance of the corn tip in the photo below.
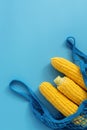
(58, 80)
(44, 84)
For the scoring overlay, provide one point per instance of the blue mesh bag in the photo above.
(77, 121)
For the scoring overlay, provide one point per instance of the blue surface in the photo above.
(31, 32)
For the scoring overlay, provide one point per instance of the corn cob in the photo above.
(69, 69)
(58, 100)
(70, 89)
(74, 93)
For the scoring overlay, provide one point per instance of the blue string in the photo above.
(71, 42)
(40, 111)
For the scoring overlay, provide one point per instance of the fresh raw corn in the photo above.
(58, 100)
(70, 89)
(69, 69)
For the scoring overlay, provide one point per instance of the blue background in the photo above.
(31, 32)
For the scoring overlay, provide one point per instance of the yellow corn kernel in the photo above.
(70, 89)
(69, 69)
(58, 100)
